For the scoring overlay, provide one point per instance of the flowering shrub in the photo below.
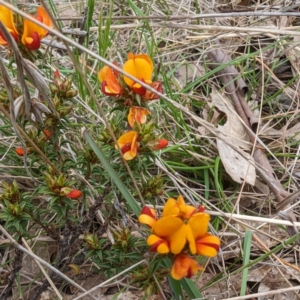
(181, 229)
(128, 92)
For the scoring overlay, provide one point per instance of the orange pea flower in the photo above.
(6, 17)
(33, 33)
(184, 266)
(148, 216)
(128, 144)
(139, 66)
(180, 225)
(110, 85)
(138, 115)
(160, 144)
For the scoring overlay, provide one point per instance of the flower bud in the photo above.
(71, 93)
(71, 193)
(47, 133)
(20, 151)
(160, 144)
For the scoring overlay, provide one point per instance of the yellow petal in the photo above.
(29, 40)
(158, 244)
(126, 138)
(191, 240)
(102, 73)
(146, 58)
(7, 18)
(171, 208)
(143, 69)
(178, 239)
(139, 66)
(189, 210)
(199, 224)
(166, 227)
(129, 68)
(144, 219)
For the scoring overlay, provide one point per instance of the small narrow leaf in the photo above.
(114, 176)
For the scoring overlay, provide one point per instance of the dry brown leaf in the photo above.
(232, 135)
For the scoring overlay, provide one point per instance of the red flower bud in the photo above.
(74, 194)
(160, 144)
(47, 133)
(20, 151)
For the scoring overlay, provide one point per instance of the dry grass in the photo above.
(264, 50)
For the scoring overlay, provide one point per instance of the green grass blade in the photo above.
(246, 250)
(114, 176)
(190, 288)
(175, 287)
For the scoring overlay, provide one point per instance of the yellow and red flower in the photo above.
(7, 18)
(110, 85)
(184, 266)
(128, 145)
(179, 226)
(138, 115)
(33, 33)
(139, 66)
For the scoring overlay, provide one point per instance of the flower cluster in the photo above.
(181, 228)
(130, 93)
(32, 33)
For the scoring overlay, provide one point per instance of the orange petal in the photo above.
(138, 115)
(178, 239)
(171, 208)
(208, 245)
(199, 224)
(184, 266)
(112, 82)
(42, 15)
(157, 85)
(166, 227)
